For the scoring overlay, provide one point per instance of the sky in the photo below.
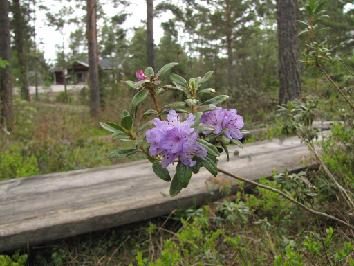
(47, 38)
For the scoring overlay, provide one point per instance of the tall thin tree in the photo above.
(5, 79)
(91, 8)
(20, 46)
(229, 41)
(150, 33)
(289, 77)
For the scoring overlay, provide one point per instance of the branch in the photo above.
(155, 101)
(284, 195)
(342, 190)
(328, 77)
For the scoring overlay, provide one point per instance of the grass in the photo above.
(50, 137)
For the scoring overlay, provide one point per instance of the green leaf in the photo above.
(210, 165)
(205, 108)
(198, 116)
(160, 91)
(161, 172)
(121, 137)
(236, 142)
(181, 179)
(150, 112)
(125, 113)
(169, 87)
(204, 128)
(226, 151)
(145, 126)
(207, 76)
(216, 100)
(132, 84)
(175, 105)
(139, 98)
(113, 128)
(123, 153)
(197, 166)
(166, 68)
(207, 91)
(193, 83)
(149, 72)
(191, 102)
(225, 140)
(178, 80)
(127, 122)
(212, 150)
(179, 110)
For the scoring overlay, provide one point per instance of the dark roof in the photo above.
(85, 64)
(106, 63)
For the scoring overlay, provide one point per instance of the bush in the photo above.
(63, 97)
(14, 260)
(24, 119)
(84, 95)
(338, 153)
(17, 162)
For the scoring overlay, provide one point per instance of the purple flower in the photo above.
(173, 139)
(224, 121)
(140, 75)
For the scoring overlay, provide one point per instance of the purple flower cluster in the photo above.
(174, 139)
(224, 121)
(140, 75)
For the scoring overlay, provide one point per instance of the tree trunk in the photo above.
(289, 77)
(20, 45)
(150, 33)
(230, 70)
(93, 58)
(5, 79)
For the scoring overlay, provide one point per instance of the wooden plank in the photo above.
(42, 208)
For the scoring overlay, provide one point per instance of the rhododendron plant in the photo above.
(224, 121)
(189, 134)
(175, 140)
(140, 75)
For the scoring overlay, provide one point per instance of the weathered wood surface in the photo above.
(320, 125)
(42, 208)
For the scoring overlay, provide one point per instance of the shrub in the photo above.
(338, 153)
(14, 260)
(84, 95)
(63, 97)
(17, 162)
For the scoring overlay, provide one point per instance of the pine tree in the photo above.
(5, 79)
(93, 58)
(150, 33)
(20, 45)
(289, 77)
